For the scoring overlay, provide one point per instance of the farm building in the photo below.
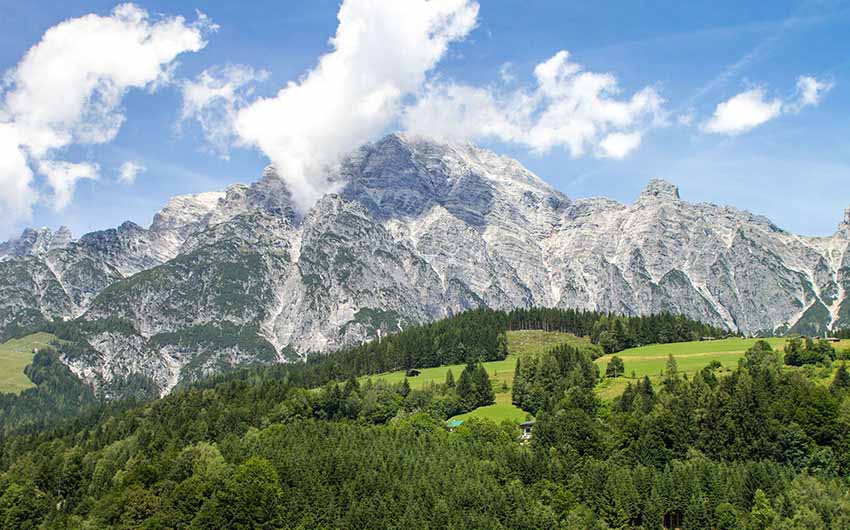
(451, 425)
(526, 427)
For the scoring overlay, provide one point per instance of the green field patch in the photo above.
(536, 342)
(502, 410)
(15, 355)
(733, 345)
(690, 356)
(520, 343)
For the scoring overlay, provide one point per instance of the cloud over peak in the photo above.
(569, 107)
(381, 53)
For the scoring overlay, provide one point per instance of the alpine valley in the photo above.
(418, 230)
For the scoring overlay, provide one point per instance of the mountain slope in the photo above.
(418, 230)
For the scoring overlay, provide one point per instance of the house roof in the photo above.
(454, 423)
(528, 423)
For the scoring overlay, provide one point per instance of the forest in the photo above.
(311, 445)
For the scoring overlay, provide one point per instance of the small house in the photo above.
(832, 339)
(412, 372)
(526, 427)
(451, 425)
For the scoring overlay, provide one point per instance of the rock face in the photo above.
(418, 230)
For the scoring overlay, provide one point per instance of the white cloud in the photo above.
(68, 89)
(213, 99)
(381, 53)
(619, 145)
(63, 177)
(810, 91)
(16, 195)
(129, 171)
(743, 112)
(569, 107)
(752, 108)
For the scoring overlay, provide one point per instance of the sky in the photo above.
(107, 110)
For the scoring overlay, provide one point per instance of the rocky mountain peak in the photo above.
(36, 241)
(660, 189)
(844, 225)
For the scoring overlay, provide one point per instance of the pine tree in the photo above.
(519, 395)
(483, 388)
(841, 383)
(450, 379)
(464, 387)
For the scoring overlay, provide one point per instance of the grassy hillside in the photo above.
(501, 372)
(690, 356)
(500, 411)
(15, 355)
(519, 343)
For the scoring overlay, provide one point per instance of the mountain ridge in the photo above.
(417, 230)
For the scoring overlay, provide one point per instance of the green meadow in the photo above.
(502, 410)
(501, 373)
(15, 355)
(690, 356)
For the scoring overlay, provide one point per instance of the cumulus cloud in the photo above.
(753, 107)
(743, 112)
(213, 99)
(381, 53)
(68, 89)
(619, 145)
(129, 171)
(569, 107)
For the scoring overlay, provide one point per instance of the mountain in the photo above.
(418, 230)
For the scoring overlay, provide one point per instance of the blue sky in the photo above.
(790, 162)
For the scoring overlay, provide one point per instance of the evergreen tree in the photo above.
(615, 367)
(519, 394)
(450, 379)
(464, 388)
(671, 368)
(841, 384)
(483, 388)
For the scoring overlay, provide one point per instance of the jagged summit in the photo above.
(660, 189)
(35, 241)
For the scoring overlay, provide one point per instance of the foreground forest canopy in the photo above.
(309, 446)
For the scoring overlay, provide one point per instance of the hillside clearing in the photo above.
(502, 410)
(15, 355)
(501, 372)
(690, 357)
